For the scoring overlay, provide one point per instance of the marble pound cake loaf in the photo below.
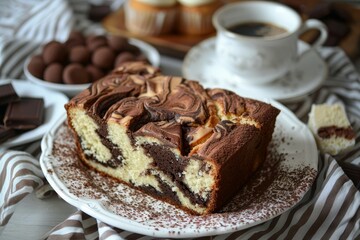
(169, 137)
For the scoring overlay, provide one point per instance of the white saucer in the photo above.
(308, 75)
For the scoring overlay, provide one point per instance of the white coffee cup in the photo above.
(258, 60)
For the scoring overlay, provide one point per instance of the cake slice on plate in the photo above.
(169, 137)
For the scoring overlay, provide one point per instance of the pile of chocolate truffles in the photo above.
(82, 59)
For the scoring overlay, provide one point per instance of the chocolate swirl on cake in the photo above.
(170, 137)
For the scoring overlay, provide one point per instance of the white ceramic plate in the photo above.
(286, 176)
(308, 75)
(72, 89)
(54, 108)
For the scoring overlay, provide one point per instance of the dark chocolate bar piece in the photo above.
(2, 113)
(6, 133)
(28, 113)
(7, 94)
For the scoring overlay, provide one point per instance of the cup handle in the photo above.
(316, 24)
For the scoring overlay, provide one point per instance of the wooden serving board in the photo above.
(174, 45)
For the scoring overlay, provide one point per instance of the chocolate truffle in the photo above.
(95, 42)
(53, 73)
(117, 43)
(94, 72)
(124, 57)
(37, 66)
(75, 74)
(104, 58)
(79, 54)
(54, 52)
(77, 35)
(75, 39)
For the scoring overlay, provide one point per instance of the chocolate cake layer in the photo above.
(327, 132)
(170, 137)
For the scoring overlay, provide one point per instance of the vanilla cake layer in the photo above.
(169, 137)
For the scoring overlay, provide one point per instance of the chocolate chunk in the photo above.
(28, 113)
(94, 72)
(117, 43)
(79, 54)
(2, 113)
(124, 57)
(95, 42)
(53, 73)
(37, 66)
(54, 52)
(75, 74)
(104, 58)
(7, 94)
(6, 133)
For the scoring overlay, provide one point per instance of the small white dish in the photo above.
(72, 89)
(53, 104)
(287, 174)
(308, 75)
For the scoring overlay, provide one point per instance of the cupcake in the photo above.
(150, 17)
(195, 16)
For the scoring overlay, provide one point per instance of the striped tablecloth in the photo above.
(330, 210)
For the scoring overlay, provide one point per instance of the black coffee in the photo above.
(257, 29)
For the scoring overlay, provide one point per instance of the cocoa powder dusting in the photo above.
(272, 190)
